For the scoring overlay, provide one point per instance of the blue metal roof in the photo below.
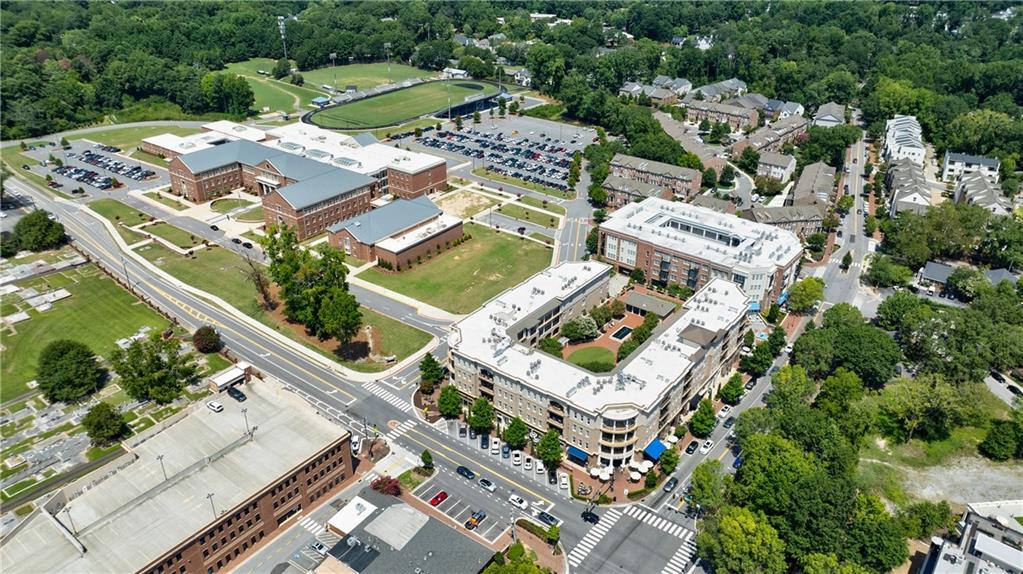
(386, 221)
(329, 184)
(297, 167)
(239, 151)
(655, 449)
(577, 454)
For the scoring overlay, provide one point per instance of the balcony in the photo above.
(556, 418)
(620, 443)
(555, 407)
(489, 385)
(619, 429)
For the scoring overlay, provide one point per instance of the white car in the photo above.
(706, 447)
(516, 458)
(539, 466)
(723, 413)
(495, 447)
(215, 406)
(788, 348)
(528, 464)
(487, 484)
(562, 481)
(518, 502)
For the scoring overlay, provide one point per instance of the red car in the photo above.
(438, 498)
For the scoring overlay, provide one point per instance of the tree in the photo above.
(727, 176)
(773, 312)
(732, 392)
(281, 68)
(830, 564)
(839, 392)
(669, 460)
(758, 362)
(481, 415)
(967, 282)
(748, 160)
(581, 328)
(776, 341)
(476, 117)
(875, 537)
(845, 204)
(450, 402)
(737, 541)
(551, 346)
(1001, 441)
(104, 423)
(339, 316)
(892, 312)
(259, 280)
(805, 294)
(708, 485)
(925, 406)
(153, 369)
(884, 272)
(923, 519)
(637, 276)
(37, 232)
(553, 534)
(427, 459)
(704, 420)
(430, 373)
(790, 386)
(206, 339)
(515, 433)
(458, 123)
(297, 80)
(68, 370)
(847, 260)
(386, 485)
(710, 178)
(549, 449)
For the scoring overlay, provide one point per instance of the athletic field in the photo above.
(402, 105)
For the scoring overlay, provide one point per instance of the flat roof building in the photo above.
(688, 245)
(610, 416)
(990, 541)
(195, 497)
(169, 146)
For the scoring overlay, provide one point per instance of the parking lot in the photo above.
(95, 167)
(534, 150)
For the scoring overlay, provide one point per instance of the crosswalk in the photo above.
(683, 556)
(311, 525)
(656, 521)
(400, 429)
(582, 550)
(388, 397)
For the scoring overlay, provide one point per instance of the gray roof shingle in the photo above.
(383, 222)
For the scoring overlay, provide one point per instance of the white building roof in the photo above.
(344, 151)
(135, 516)
(188, 144)
(236, 130)
(351, 515)
(733, 242)
(397, 243)
(637, 384)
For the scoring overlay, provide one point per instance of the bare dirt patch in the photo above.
(464, 204)
(966, 480)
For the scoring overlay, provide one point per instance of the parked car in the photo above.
(438, 498)
(518, 502)
(539, 467)
(998, 377)
(729, 422)
(319, 548)
(528, 465)
(495, 447)
(236, 394)
(505, 451)
(706, 447)
(724, 411)
(472, 433)
(247, 245)
(215, 406)
(563, 481)
(464, 471)
(476, 519)
(487, 484)
(516, 458)
(461, 431)
(214, 228)
(737, 463)
(1015, 390)
(484, 441)
(670, 484)
(692, 447)
(356, 444)
(590, 517)
(750, 384)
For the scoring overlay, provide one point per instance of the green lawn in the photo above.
(545, 238)
(596, 359)
(252, 66)
(165, 199)
(494, 176)
(130, 138)
(402, 105)
(98, 313)
(148, 157)
(117, 213)
(539, 203)
(278, 95)
(175, 235)
(363, 76)
(526, 214)
(270, 96)
(228, 204)
(254, 214)
(464, 277)
(215, 362)
(222, 273)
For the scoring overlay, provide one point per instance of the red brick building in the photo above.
(683, 182)
(398, 233)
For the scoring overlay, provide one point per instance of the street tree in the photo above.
(805, 294)
(737, 541)
(430, 373)
(703, 420)
(758, 362)
(339, 316)
(37, 232)
(481, 415)
(104, 423)
(549, 449)
(669, 460)
(847, 260)
(515, 433)
(708, 485)
(154, 369)
(732, 391)
(68, 370)
(206, 339)
(427, 459)
(776, 341)
(450, 402)
(773, 312)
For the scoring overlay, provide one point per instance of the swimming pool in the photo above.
(621, 333)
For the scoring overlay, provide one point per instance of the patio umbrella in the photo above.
(634, 464)
(605, 475)
(634, 476)
(595, 471)
(647, 465)
(642, 468)
(672, 439)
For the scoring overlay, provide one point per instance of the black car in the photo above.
(505, 451)
(1015, 390)
(236, 240)
(750, 384)
(214, 228)
(552, 478)
(247, 245)
(461, 431)
(547, 519)
(670, 484)
(998, 377)
(590, 517)
(464, 471)
(472, 434)
(484, 441)
(729, 422)
(692, 447)
(236, 394)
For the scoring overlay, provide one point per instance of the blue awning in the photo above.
(784, 297)
(578, 454)
(654, 449)
(754, 306)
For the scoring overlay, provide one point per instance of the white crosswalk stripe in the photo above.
(310, 525)
(656, 521)
(594, 536)
(388, 396)
(683, 556)
(401, 429)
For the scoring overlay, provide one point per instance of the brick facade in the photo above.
(683, 182)
(409, 185)
(736, 117)
(315, 219)
(345, 241)
(200, 187)
(224, 543)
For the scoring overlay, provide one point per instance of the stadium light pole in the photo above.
(280, 27)
(333, 65)
(387, 51)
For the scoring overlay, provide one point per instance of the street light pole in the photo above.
(67, 511)
(245, 414)
(213, 506)
(159, 457)
(127, 278)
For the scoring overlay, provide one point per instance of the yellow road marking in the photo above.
(471, 461)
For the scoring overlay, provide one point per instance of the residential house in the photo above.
(791, 109)
(976, 189)
(711, 202)
(908, 187)
(737, 118)
(721, 90)
(814, 187)
(682, 182)
(623, 191)
(772, 137)
(523, 77)
(958, 164)
(776, 166)
(829, 115)
(462, 40)
(803, 220)
(903, 139)
(748, 101)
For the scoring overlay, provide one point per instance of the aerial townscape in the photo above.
(517, 287)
